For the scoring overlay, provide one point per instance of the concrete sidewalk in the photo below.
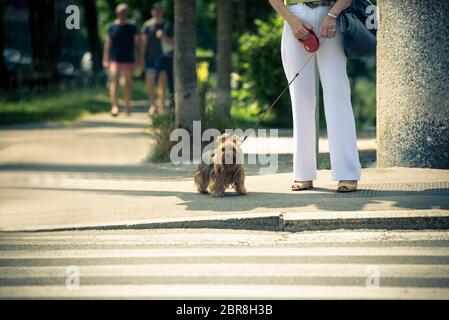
(53, 201)
(92, 140)
(92, 174)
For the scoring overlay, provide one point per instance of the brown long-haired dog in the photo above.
(224, 170)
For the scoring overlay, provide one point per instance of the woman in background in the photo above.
(121, 42)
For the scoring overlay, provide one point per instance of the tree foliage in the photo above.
(261, 66)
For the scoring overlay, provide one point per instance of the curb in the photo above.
(370, 220)
(288, 222)
(258, 221)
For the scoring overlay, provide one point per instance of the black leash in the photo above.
(267, 110)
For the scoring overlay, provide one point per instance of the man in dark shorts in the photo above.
(157, 47)
(121, 42)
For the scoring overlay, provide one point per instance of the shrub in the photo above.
(262, 74)
(162, 127)
(364, 103)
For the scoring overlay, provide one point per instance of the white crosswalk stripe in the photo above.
(231, 270)
(226, 252)
(414, 269)
(226, 291)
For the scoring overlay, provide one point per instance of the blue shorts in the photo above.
(154, 66)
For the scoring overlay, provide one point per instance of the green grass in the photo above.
(58, 106)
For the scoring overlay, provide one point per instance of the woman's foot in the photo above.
(115, 111)
(302, 185)
(345, 186)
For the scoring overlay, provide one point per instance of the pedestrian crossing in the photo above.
(267, 266)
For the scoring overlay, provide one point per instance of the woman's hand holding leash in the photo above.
(299, 29)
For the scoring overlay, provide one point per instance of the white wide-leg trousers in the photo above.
(340, 122)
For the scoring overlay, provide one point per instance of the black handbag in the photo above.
(358, 40)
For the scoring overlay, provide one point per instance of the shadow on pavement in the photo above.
(167, 170)
(322, 199)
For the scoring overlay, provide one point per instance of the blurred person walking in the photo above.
(157, 55)
(301, 17)
(121, 42)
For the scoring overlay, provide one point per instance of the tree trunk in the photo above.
(224, 50)
(187, 107)
(3, 75)
(44, 39)
(241, 15)
(91, 16)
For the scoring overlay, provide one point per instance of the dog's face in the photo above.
(228, 152)
(226, 169)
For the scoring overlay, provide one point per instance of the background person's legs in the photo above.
(156, 74)
(168, 66)
(162, 85)
(150, 79)
(114, 75)
(127, 86)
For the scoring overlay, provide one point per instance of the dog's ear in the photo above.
(222, 139)
(235, 139)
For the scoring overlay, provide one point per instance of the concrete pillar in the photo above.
(413, 84)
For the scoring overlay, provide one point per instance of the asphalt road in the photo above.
(225, 264)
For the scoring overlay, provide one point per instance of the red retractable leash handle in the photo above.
(311, 42)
